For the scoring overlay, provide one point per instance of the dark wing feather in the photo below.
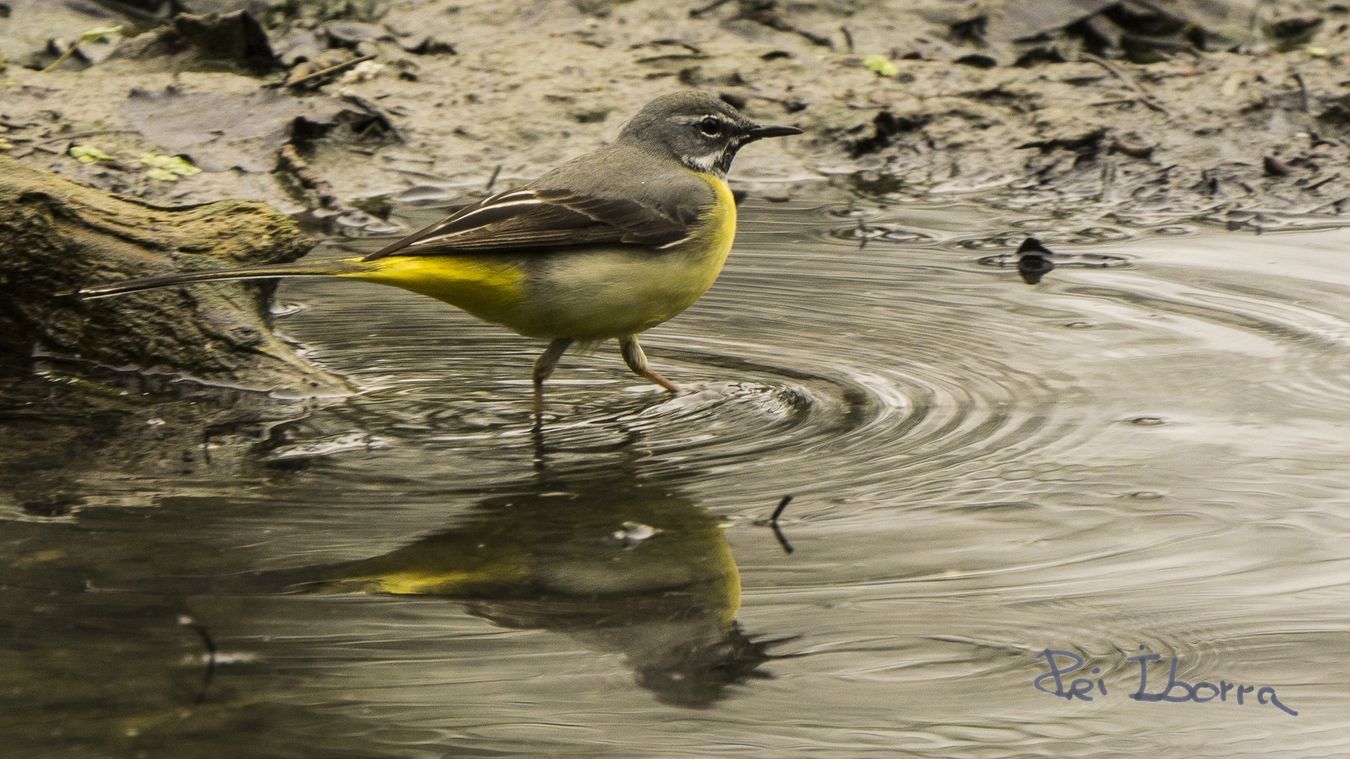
(538, 219)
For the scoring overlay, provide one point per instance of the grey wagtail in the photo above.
(605, 246)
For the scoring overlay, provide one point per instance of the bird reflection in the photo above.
(620, 564)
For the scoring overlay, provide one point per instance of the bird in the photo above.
(603, 247)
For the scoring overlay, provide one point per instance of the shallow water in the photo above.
(1150, 452)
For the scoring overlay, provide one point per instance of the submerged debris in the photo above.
(1033, 260)
(772, 522)
(633, 533)
(212, 653)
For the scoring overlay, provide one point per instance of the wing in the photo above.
(541, 218)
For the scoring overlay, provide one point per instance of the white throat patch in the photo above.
(705, 163)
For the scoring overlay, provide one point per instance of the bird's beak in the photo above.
(760, 132)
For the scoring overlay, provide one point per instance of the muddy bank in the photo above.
(56, 237)
(1237, 112)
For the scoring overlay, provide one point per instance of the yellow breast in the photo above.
(721, 226)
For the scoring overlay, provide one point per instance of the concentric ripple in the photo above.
(1150, 454)
(902, 385)
(807, 362)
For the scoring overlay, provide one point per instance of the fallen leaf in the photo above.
(881, 65)
(89, 154)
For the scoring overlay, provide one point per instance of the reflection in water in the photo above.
(76, 432)
(1145, 449)
(620, 564)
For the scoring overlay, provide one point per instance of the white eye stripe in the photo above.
(722, 121)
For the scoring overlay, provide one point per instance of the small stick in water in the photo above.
(205, 635)
(773, 522)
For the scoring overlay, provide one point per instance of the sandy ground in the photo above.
(456, 93)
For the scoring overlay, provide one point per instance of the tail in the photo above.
(310, 269)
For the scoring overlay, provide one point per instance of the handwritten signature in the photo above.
(1061, 664)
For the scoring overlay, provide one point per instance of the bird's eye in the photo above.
(710, 126)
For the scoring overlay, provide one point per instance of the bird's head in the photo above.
(698, 129)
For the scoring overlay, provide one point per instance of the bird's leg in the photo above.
(637, 361)
(543, 367)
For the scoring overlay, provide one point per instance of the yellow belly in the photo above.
(491, 289)
(588, 294)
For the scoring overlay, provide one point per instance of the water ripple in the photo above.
(1122, 455)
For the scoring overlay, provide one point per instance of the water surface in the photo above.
(1144, 449)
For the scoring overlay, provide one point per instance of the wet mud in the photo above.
(1091, 109)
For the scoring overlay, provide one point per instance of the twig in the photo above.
(493, 179)
(773, 522)
(1321, 182)
(1118, 73)
(691, 47)
(848, 37)
(1111, 101)
(62, 58)
(1302, 92)
(767, 13)
(91, 35)
(672, 57)
(81, 135)
(211, 651)
(307, 78)
(706, 9)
